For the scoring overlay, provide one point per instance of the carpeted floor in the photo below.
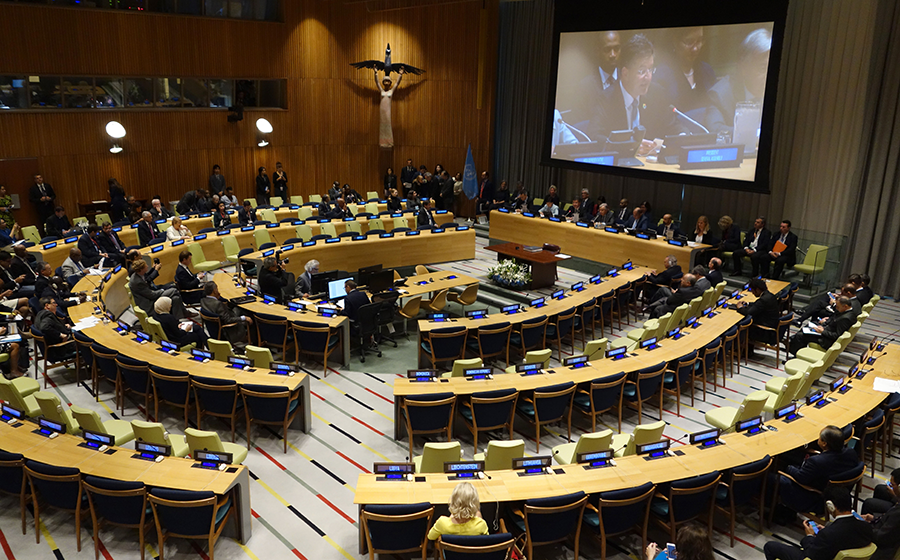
(302, 501)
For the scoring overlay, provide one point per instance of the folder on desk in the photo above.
(779, 247)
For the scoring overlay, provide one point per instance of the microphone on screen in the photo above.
(679, 113)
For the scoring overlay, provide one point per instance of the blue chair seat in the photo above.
(659, 507)
(668, 377)
(629, 390)
(466, 413)
(582, 401)
(551, 331)
(220, 515)
(722, 494)
(293, 405)
(515, 339)
(526, 408)
(426, 346)
(591, 518)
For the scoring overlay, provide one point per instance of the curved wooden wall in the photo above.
(329, 131)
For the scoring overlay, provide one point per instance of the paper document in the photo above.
(886, 385)
(563, 256)
(808, 329)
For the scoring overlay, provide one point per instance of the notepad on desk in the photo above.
(885, 385)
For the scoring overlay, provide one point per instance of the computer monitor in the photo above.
(365, 273)
(319, 281)
(381, 280)
(336, 289)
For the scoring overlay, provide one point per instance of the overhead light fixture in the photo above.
(116, 132)
(264, 127)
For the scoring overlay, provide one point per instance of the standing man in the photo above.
(783, 252)
(42, 196)
(485, 192)
(407, 176)
(217, 180)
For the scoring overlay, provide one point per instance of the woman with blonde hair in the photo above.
(177, 230)
(702, 234)
(465, 514)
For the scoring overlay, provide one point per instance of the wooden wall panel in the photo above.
(328, 132)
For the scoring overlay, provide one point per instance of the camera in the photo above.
(155, 260)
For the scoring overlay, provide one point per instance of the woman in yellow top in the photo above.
(465, 515)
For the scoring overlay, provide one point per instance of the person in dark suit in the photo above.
(216, 180)
(188, 202)
(671, 272)
(425, 216)
(58, 225)
(715, 272)
(304, 281)
(280, 180)
(89, 244)
(756, 244)
(185, 280)
(246, 214)
(835, 326)
(637, 220)
(500, 198)
(354, 300)
(684, 294)
(575, 103)
(815, 471)
(485, 192)
(111, 244)
(350, 195)
(446, 191)
(637, 101)
(747, 84)
(275, 281)
(340, 210)
(48, 285)
(586, 203)
(158, 211)
(702, 234)
(683, 77)
(624, 212)
(886, 527)
(843, 533)
(42, 196)
(212, 304)
(146, 229)
(822, 306)
(53, 328)
(520, 202)
(118, 205)
(145, 294)
(667, 228)
(408, 175)
(221, 218)
(765, 312)
(22, 265)
(785, 257)
(604, 216)
(324, 208)
(9, 280)
(864, 293)
(162, 312)
(394, 204)
(263, 187)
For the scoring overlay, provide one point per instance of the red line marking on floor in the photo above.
(269, 457)
(105, 552)
(334, 507)
(357, 465)
(368, 426)
(199, 550)
(253, 513)
(6, 549)
(297, 552)
(313, 393)
(379, 396)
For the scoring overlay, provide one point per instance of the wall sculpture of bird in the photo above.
(387, 66)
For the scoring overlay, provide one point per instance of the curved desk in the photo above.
(588, 243)
(57, 252)
(630, 471)
(117, 463)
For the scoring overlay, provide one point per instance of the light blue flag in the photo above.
(470, 178)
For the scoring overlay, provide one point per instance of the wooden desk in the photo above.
(172, 472)
(402, 250)
(104, 335)
(588, 243)
(667, 351)
(507, 486)
(542, 263)
(228, 289)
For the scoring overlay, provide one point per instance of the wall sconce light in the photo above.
(264, 127)
(116, 132)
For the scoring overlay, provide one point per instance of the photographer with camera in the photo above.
(275, 281)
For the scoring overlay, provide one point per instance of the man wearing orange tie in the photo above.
(783, 252)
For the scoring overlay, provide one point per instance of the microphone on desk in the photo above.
(679, 113)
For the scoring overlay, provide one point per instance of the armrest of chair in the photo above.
(794, 480)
